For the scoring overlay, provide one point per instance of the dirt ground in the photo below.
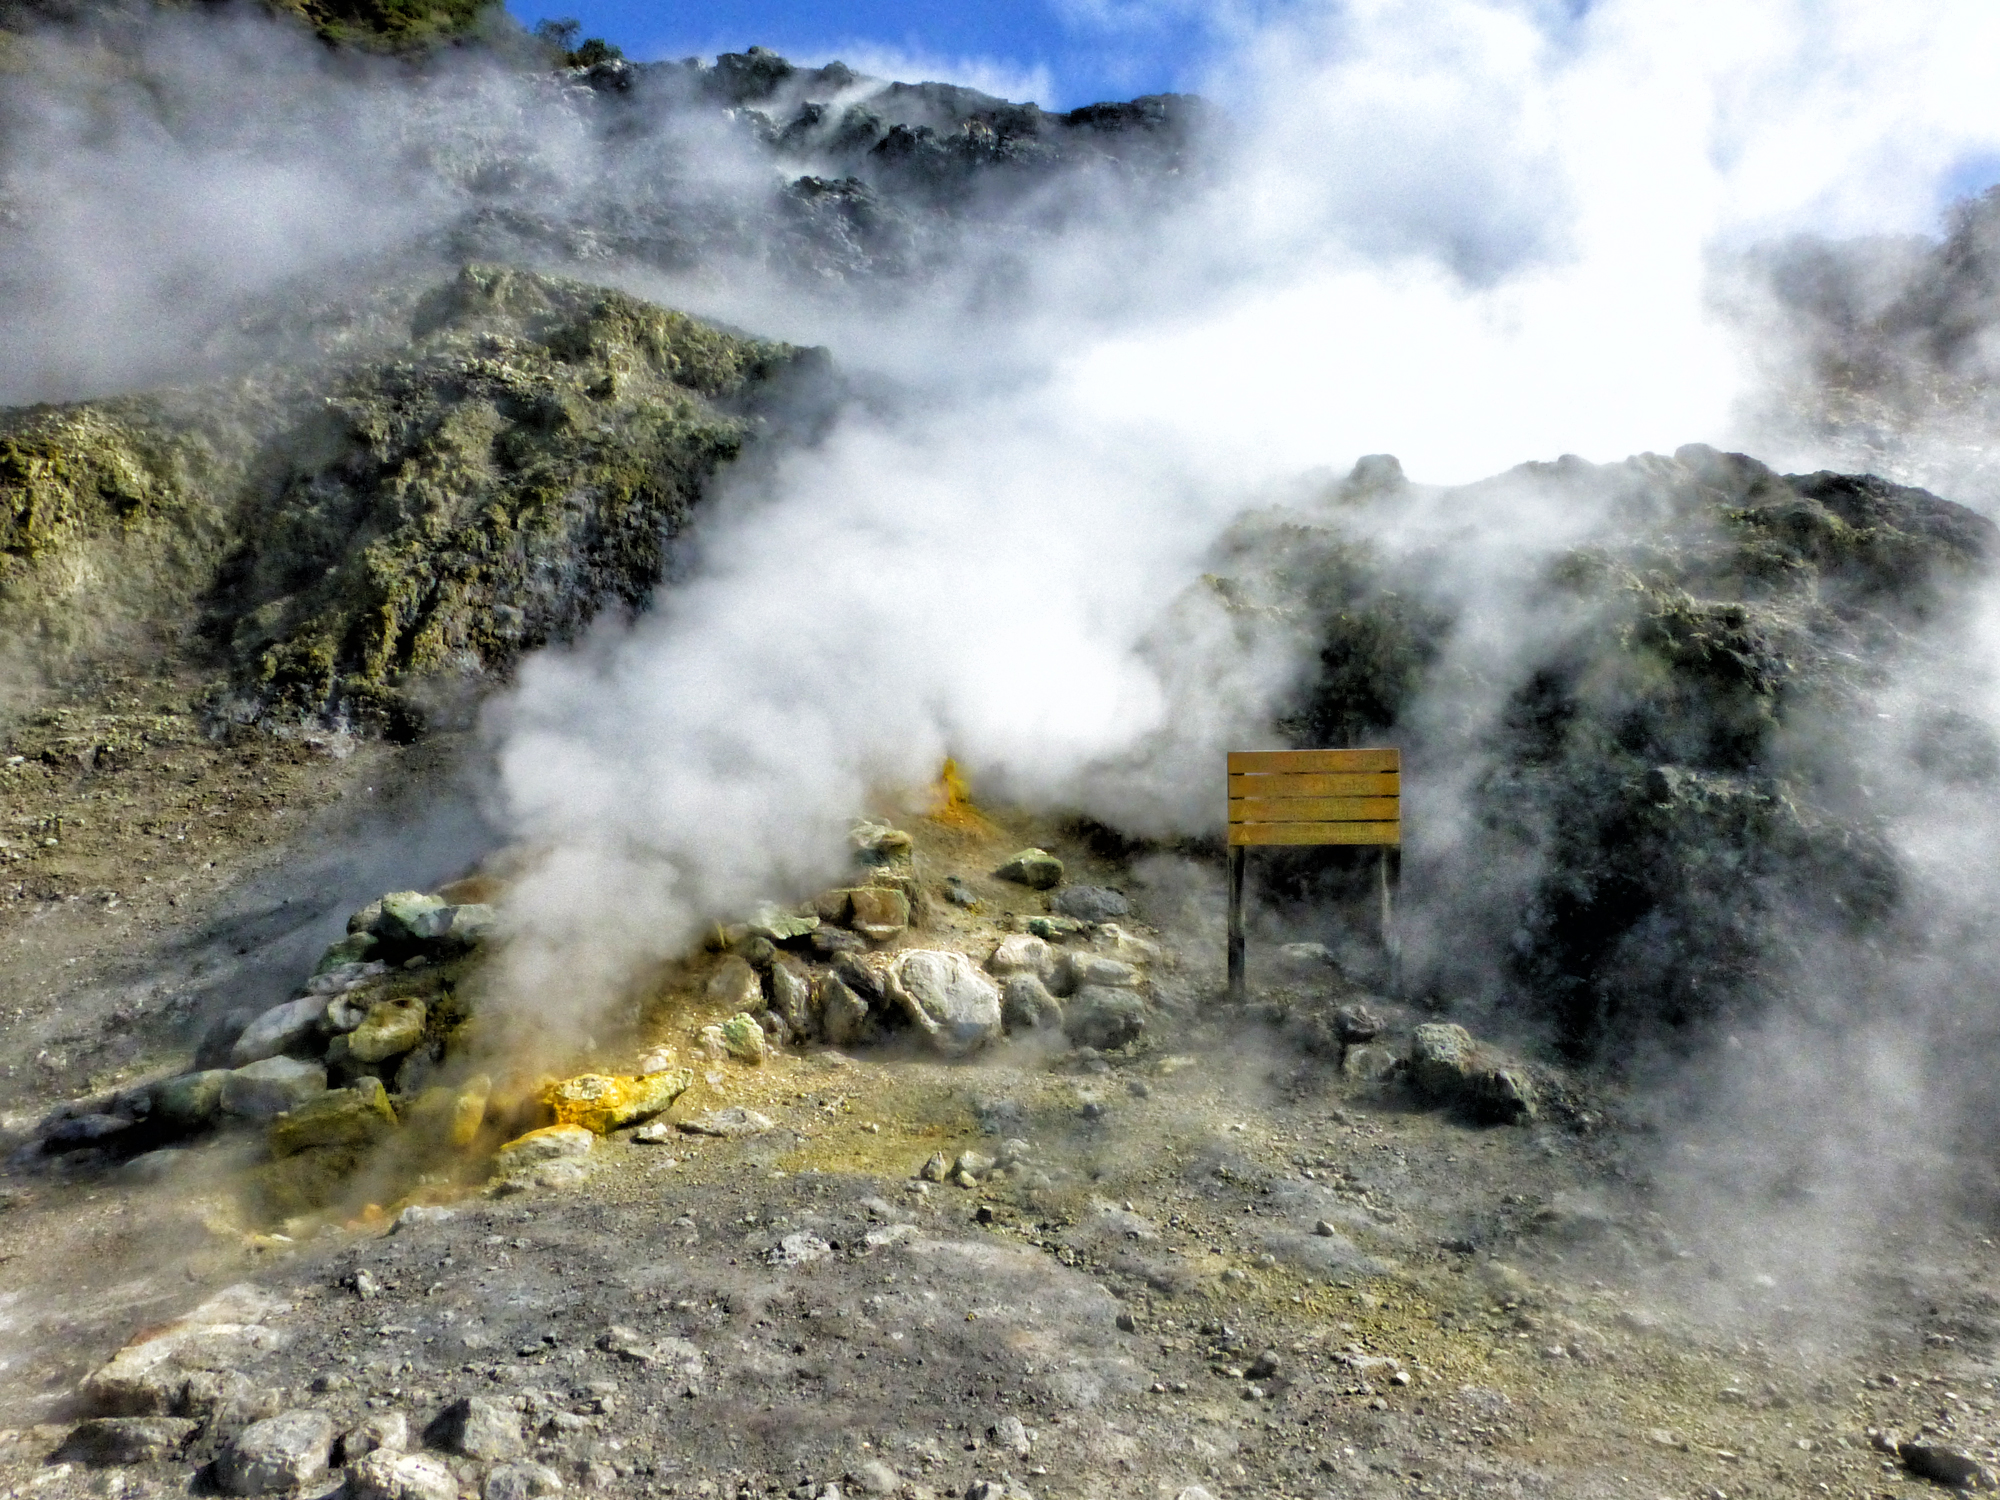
(1214, 1260)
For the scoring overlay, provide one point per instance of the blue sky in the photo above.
(1071, 51)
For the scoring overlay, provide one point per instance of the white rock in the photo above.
(947, 998)
(1022, 953)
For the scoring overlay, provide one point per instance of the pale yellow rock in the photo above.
(392, 1028)
(743, 1037)
(603, 1102)
(468, 1110)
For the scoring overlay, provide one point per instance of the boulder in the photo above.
(475, 1427)
(791, 995)
(357, 1116)
(402, 919)
(878, 912)
(521, 1481)
(1369, 1064)
(1037, 869)
(1448, 1067)
(1357, 1023)
(105, 1441)
(278, 1453)
(1090, 903)
(776, 925)
(1947, 1466)
(392, 1028)
(387, 1431)
(1027, 1005)
(742, 1037)
(383, 1475)
(188, 1102)
(1022, 953)
(947, 998)
(831, 942)
(290, 1027)
(1054, 929)
(733, 1122)
(269, 1088)
(151, 1375)
(603, 1102)
(879, 844)
(1104, 1016)
(74, 1132)
(1080, 969)
(843, 1015)
(1114, 941)
(539, 1147)
(734, 984)
(958, 893)
(350, 952)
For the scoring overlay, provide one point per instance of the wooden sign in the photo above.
(1295, 797)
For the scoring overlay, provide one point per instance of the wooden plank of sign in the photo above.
(1315, 833)
(1322, 761)
(1315, 809)
(1287, 784)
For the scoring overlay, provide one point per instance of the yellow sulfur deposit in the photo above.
(468, 1111)
(602, 1102)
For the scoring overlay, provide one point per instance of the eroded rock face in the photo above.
(1448, 1067)
(278, 1454)
(956, 1007)
(1037, 869)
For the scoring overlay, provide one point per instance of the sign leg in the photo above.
(1236, 983)
(1388, 875)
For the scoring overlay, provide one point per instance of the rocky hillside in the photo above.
(328, 537)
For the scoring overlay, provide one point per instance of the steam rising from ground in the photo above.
(1469, 234)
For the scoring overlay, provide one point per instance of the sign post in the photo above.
(1350, 797)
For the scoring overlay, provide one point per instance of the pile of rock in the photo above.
(316, 1069)
(830, 971)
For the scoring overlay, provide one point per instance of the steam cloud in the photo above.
(1468, 234)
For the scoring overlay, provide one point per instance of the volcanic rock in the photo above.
(1079, 969)
(283, 1028)
(1947, 1466)
(355, 1116)
(729, 1123)
(1103, 1016)
(602, 1103)
(521, 1481)
(791, 995)
(478, 1428)
(127, 1440)
(844, 1015)
(1090, 903)
(190, 1101)
(735, 984)
(1447, 1067)
(387, 1431)
(878, 912)
(1027, 1005)
(279, 1453)
(268, 1088)
(1022, 953)
(1037, 869)
(392, 1028)
(383, 1475)
(955, 1006)
(538, 1147)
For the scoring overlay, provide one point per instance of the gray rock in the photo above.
(791, 996)
(343, 1013)
(1054, 929)
(74, 1132)
(154, 1166)
(1447, 1067)
(735, 985)
(1367, 1064)
(831, 942)
(947, 998)
(875, 1478)
(1101, 1016)
(1305, 958)
(387, 1431)
(958, 893)
(278, 1453)
(1027, 1005)
(521, 1481)
(401, 1476)
(127, 1440)
(478, 1428)
(843, 1015)
(732, 1122)
(190, 1101)
(1357, 1023)
(405, 917)
(1080, 969)
(1037, 869)
(283, 1028)
(266, 1089)
(1090, 903)
(1945, 1466)
(996, 1489)
(343, 979)
(1022, 953)
(221, 1035)
(878, 912)
(1012, 1434)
